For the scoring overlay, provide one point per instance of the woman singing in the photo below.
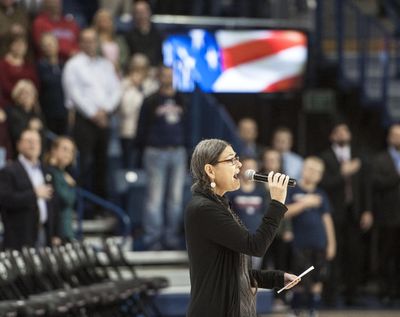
(219, 246)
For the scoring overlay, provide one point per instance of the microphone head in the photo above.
(249, 174)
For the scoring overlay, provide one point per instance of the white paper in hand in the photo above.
(300, 276)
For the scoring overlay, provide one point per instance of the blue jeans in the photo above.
(165, 169)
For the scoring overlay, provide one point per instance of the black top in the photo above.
(19, 120)
(386, 191)
(52, 100)
(215, 242)
(334, 184)
(149, 44)
(19, 208)
(163, 122)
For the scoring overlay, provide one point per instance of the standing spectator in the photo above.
(24, 113)
(14, 20)
(118, 8)
(386, 190)
(93, 90)
(121, 13)
(51, 94)
(29, 212)
(250, 202)
(144, 37)
(6, 150)
(271, 160)
(163, 134)
(136, 86)
(64, 28)
(346, 183)
(282, 141)
(279, 252)
(112, 47)
(62, 155)
(81, 11)
(248, 133)
(15, 66)
(314, 240)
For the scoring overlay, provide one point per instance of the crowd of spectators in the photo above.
(67, 71)
(342, 215)
(66, 75)
(63, 74)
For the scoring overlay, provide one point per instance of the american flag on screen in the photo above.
(237, 61)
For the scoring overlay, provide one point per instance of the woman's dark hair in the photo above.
(206, 152)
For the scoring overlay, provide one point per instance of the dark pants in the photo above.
(57, 125)
(130, 153)
(280, 252)
(344, 276)
(389, 261)
(92, 143)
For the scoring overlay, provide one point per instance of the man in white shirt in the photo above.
(93, 92)
(29, 212)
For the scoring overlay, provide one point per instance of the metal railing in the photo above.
(85, 195)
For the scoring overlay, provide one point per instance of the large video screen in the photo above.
(245, 61)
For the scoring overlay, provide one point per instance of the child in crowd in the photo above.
(314, 236)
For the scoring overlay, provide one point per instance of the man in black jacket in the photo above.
(386, 186)
(346, 183)
(144, 37)
(26, 198)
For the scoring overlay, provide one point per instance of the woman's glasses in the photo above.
(234, 160)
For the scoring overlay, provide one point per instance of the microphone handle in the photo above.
(264, 178)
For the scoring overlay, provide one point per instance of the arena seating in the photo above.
(71, 280)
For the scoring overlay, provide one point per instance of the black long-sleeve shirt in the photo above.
(214, 242)
(163, 122)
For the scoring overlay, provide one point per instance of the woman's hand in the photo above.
(277, 184)
(291, 279)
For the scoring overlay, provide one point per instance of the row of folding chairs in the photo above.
(75, 279)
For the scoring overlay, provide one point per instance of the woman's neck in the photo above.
(105, 36)
(14, 59)
(53, 59)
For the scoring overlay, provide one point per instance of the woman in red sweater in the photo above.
(14, 66)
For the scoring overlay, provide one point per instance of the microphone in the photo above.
(251, 175)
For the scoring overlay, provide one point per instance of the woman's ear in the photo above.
(209, 169)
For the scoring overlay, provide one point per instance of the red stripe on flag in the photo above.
(261, 48)
(285, 84)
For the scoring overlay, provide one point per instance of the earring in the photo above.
(212, 184)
